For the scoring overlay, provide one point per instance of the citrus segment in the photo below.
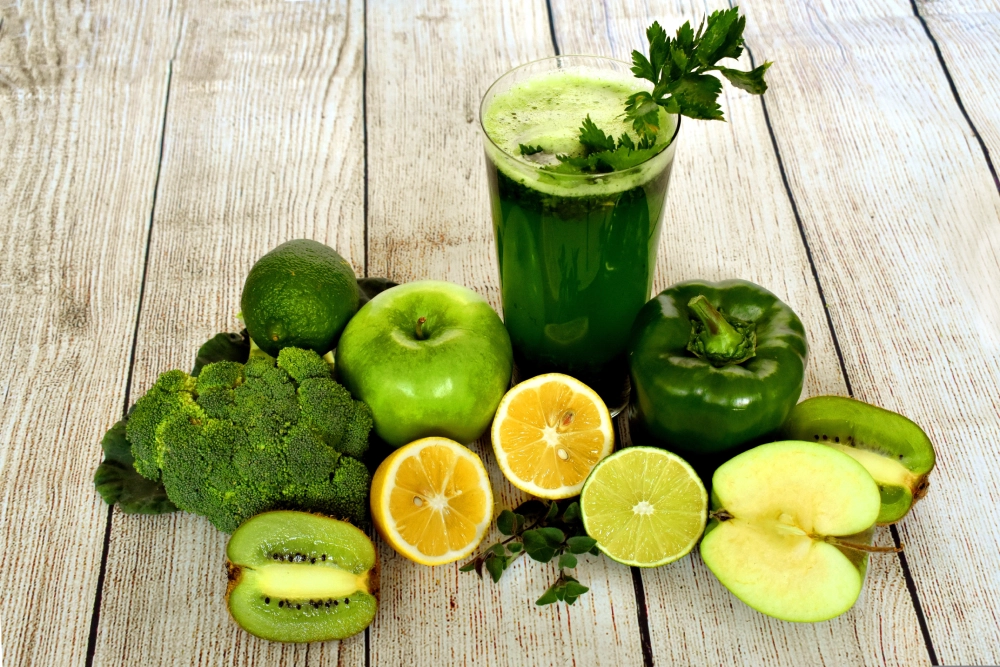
(548, 434)
(644, 506)
(431, 501)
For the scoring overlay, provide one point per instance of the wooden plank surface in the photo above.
(263, 143)
(728, 216)
(78, 149)
(967, 32)
(429, 64)
(896, 198)
(263, 110)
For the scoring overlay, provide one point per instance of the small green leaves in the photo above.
(593, 138)
(529, 150)
(566, 589)
(752, 81)
(581, 544)
(554, 532)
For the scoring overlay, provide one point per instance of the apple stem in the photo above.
(854, 546)
(420, 328)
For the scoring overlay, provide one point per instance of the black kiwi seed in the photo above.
(324, 556)
(825, 438)
(313, 560)
(281, 603)
(267, 600)
(837, 439)
(335, 603)
(347, 601)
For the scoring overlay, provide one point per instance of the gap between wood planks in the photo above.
(910, 584)
(95, 616)
(954, 92)
(636, 578)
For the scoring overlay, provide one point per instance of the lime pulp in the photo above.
(645, 506)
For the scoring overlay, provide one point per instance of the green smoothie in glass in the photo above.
(579, 151)
(576, 251)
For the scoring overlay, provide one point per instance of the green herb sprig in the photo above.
(544, 531)
(680, 70)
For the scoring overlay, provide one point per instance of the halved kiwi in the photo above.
(894, 450)
(300, 577)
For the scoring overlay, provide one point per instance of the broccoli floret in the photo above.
(241, 439)
(341, 421)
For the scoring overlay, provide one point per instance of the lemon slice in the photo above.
(431, 501)
(548, 434)
(644, 506)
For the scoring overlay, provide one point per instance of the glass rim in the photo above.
(635, 167)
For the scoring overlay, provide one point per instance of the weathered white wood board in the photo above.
(429, 64)
(896, 199)
(78, 156)
(263, 143)
(728, 216)
(968, 35)
(78, 149)
(77, 33)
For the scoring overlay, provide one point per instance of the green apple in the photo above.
(429, 358)
(791, 525)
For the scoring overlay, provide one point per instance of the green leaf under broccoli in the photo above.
(118, 482)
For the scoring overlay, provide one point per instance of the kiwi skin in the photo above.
(300, 577)
(905, 453)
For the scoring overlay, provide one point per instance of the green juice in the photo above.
(576, 253)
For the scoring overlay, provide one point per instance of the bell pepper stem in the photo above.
(720, 340)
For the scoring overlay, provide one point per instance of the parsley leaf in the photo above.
(529, 150)
(680, 70)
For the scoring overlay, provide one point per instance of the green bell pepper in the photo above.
(715, 366)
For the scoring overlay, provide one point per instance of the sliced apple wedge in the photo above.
(896, 452)
(790, 525)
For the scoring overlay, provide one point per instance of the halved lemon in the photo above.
(645, 507)
(549, 433)
(431, 501)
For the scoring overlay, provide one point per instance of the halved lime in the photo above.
(644, 506)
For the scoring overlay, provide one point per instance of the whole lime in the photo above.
(301, 294)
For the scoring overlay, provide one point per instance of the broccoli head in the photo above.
(241, 439)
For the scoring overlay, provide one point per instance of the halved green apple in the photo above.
(896, 452)
(790, 525)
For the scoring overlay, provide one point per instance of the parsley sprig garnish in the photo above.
(544, 531)
(680, 70)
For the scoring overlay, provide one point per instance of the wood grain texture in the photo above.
(728, 216)
(78, 149)
(263, 143)
(429, 63)
(898, 207)
(43, 34)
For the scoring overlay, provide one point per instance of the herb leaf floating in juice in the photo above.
(715, 365)
(896, 452)
(299, 577)
(791, 525)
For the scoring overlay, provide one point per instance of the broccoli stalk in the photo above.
(244, 438)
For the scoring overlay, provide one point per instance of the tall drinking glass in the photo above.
(576, 252)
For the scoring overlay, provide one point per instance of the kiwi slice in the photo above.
(300, 577)
(894, 450)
